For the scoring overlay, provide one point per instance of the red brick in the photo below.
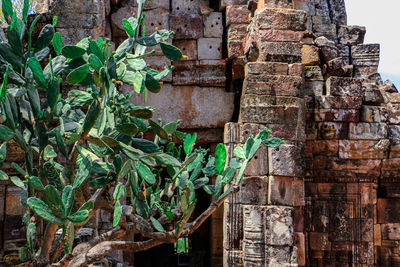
(188, 48)
(275, 85)
(296, 69)
(186, 26)
(325, 147)
(186, 72)
(388, 210)
(391, 168)
(280, 191)
(300, 243)
(341, 86)
(235, 48)
(212, 73)
(266, 68)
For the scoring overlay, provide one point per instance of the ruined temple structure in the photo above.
(330, 195)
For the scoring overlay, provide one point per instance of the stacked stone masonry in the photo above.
(330, 195)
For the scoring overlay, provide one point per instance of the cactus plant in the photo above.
(79, 147)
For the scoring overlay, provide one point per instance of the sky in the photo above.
(381, 18)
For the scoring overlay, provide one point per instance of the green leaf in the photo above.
(35, 182)
(168, 160)
(210, 189)
(248, 146)
(6, 133)
(68, 236)
(145, 145)
(272, 142)
(129, 129)
(3, 176)
(152, 84)
(220, 157)
(3, 88)
(14, 40)
(158, 130)
(45, 37)
(57, 43)
(3, 152)
(31, 236)
(18, 168)
(91, 117)
(79, 216)
(124, 48)
(78, 74)
(24, 254)
(83, 171)
(157, 225)
(7, 9)
(189, 143)
(171, 127)
(53, 92)
(95, 62)
(171, 52)
(17, 182)
(142, 112)
(53, 200)
(87, 206)
(94, 49)
(41, 209)
(254, 149)
(55, 20)
(117, 213)
(68, 199)
(201, 182)
(119, 191)
(145, 173)
(142, 208)
(49, 153)
(128, 28)
(7, 53)
(239, 152)
(72, 51)
(136, 64)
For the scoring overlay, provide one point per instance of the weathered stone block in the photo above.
(225, 3)
(279, 226)
(395, 151)
(254, 190)
(351, 35)
(337, 115)
(319, 241)
(273, 35)
(338, 102)
(368, 131)
(390, 168)
(373, 114)
(313, 73)
(186, 72)
(212, 73)
(278, 255)
(254, 235)
(373, 96)
(13, 205)
(238, 68)
(324, 147)
(393, 113)
(207, 107)
(365, 55)
(235, 49)
(296, 69)
(388, 210)
(280, 52)
(237, 32)
(274, 85)
(149, 4)
(333, 130)
(286, 160)
(300, 243)
(391, 231)
(280, 191)
(310, 55)
(340, 86)
(188, 48)
(363, 149)
(213, 25)
(186, 26)
(394, 134)
(209, 48)
(184, 7)
(266, 68)
(281, 19)
(237, 15)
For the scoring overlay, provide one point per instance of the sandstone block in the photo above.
(289, 52)
(296, 69)
(237, 32)
(394, 134)
(373, 96)
(266, 68)
(281, 19)
(388, 210)
(279, 226)
(280, 191)
(310, 55)
(324, 147)
(390, 168)
(13, 206)
(254, 234)
(286, 160)
(391, 231)
(273, 35)
(338, 102)
(393, 111)
(368, 131)
(254, 190)
(232, 133)
(278, 255)
(212, 73)
(186, 72)
(373, 114)
(388, 87)
(186, 26)
(339, 86)
(149, 4)
(274, 85)
(184, 7)
(225, 3)
(394, 151)
(313, 73)
(363, 149)
(209, 48)
(285, 131)
(300, 243)
(319, 241)
(235, 49)
(212, 23)
(188, 48)
(238, 68)
(351, 35)
(337, 115)
(275, 4)
(207, 107)
(237, 15)
(365, 55)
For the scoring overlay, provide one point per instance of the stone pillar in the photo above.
(260, 221)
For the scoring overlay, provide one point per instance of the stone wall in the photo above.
(330, 195)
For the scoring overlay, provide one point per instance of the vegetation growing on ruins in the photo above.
(85, 151)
